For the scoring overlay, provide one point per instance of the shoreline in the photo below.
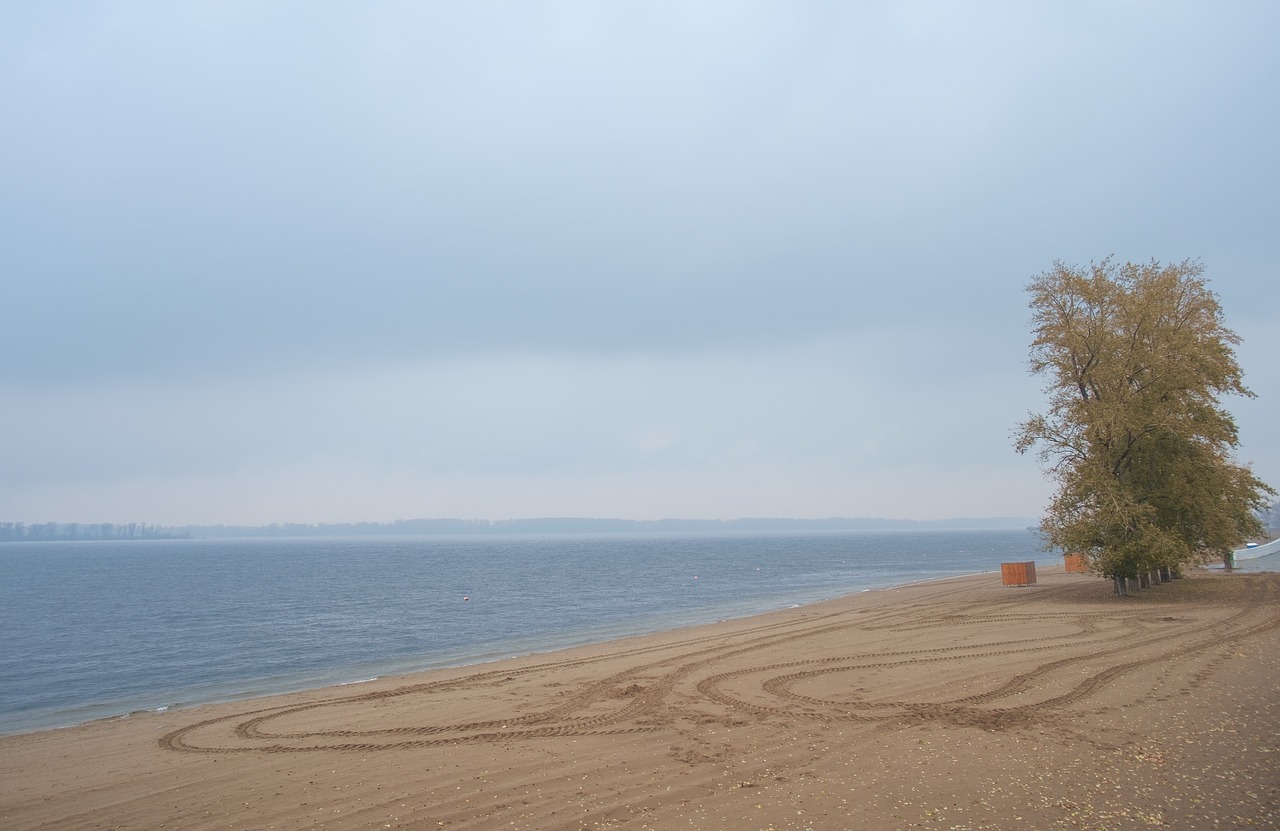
(261, 688)
(956, 701)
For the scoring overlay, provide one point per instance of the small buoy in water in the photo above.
(466, 597)
(695, 577)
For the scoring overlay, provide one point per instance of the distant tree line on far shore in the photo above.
(1271, 521)
(67, 531)
(57, 531)
(587, 525)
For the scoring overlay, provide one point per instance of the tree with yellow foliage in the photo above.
(1137, 358)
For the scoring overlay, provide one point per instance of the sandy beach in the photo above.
(959, 704)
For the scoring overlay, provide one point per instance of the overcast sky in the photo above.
(327, 262)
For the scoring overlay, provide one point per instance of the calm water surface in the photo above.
(96, 629)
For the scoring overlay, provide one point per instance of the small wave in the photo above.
(139, 712)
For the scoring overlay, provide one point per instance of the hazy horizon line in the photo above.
(20, 531)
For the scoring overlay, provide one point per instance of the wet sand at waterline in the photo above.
(957, 704)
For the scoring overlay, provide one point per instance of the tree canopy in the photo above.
(1137, 358)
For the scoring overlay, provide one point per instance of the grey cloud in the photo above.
(198, 189)
(223, 226)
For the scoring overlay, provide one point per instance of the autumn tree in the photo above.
(1137, 358)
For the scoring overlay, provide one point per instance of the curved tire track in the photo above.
(1105, 643)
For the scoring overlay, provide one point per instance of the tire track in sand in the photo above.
(1103, 644)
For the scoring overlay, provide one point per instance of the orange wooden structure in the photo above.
(1018, 574)
(1075, 564)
